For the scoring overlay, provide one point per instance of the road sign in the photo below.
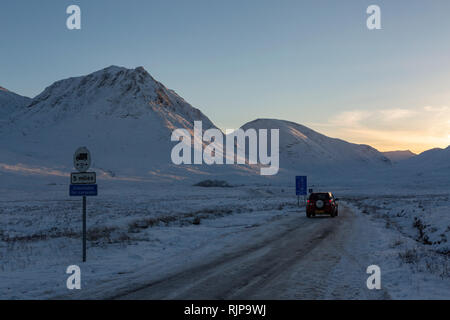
(82, 159)
(83, 184)
(83, 178)
(86, 190)
(301, 185)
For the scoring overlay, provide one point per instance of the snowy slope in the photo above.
(428, 171)
(432, 166)
(305, 150)
(396, 156)
(431, 159)
(124, 116)
(10, 103)
(114, 92)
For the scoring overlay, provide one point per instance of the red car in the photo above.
(321, 203)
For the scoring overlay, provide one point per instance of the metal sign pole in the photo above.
(83, 183)
(84, 228)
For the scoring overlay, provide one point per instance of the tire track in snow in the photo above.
(296, 263)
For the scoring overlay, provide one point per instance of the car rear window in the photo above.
(319, 196)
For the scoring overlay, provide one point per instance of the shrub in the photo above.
(213, 184)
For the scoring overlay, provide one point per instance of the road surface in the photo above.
(299, 258)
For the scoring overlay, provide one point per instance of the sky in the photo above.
(314, 62)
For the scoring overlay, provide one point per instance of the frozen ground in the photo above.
(40, 237)
(419, 231)
(142, 234)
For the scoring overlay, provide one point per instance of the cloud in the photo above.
(437, 109)
(417, 129)
(397, 114)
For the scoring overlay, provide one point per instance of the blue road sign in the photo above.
(301, 185)
(78, 190)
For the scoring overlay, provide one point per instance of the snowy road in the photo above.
(297, 259)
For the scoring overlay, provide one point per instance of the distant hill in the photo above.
(433, 159)
(396, 156)
(304, 150)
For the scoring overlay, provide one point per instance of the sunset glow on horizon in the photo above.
(415, 129)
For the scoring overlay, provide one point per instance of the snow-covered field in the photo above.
(424, 218)
(419, 229)
(143, 232)
(40, 237)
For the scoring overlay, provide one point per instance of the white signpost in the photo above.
(83, 183)
(83, 178)
(82, 159)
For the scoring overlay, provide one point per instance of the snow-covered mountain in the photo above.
(10, 103)
(431, 167)
(124, 116)
(307, 151)
(431, 160)
(114, 92)
(396, 156)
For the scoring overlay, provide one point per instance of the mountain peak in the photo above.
(111, 85)
(113, 93)
(123, 114)
(113, 69)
